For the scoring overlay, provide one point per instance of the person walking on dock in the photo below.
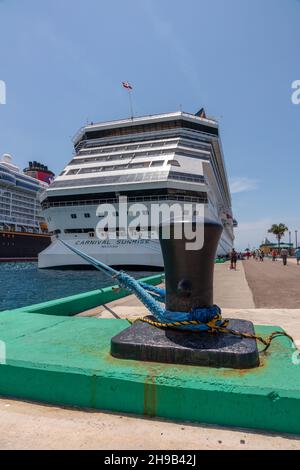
(284, 254)
(274, 255)
(297, 253)
(233, 259)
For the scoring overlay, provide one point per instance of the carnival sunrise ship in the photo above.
(165, 158)
(23, 231)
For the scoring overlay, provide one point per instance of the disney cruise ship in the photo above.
(165, 158)
(23, 231)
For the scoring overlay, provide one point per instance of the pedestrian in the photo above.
(274, 255)
(284, 254)
(297, 253)
(233, 259)
(261, 255)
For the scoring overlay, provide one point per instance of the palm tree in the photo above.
(279, 231)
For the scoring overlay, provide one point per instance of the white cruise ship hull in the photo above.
(137, 253)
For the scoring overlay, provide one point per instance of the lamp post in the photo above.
(290, 243)
(296, 238)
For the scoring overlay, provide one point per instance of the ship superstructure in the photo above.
(174, 157)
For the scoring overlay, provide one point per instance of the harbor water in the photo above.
(23, 284)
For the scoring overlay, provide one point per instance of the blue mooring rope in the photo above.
(152, 296)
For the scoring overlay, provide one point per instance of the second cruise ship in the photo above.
(23, 231)
(165, 158)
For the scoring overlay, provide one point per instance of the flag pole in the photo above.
(130, 103)
(129, 89)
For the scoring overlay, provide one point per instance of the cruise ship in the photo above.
(165, 158)
(23, 231)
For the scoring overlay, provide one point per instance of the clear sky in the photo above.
(63, 62)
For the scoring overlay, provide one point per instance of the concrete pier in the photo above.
(37, 426)
(233, 293)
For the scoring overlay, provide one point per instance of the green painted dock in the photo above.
(54, 357)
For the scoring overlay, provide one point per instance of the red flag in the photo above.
(127, 85)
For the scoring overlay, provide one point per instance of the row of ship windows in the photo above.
(14, 206)
(21, 197)
(88, 151)
(74, 216)
(77, 161)
(116, 213)
(8, 204)
(134, 177)
(202, 199)
(19, 221)
(17, 198)
(19, 207)
(109, 158)
(128, 166)
(119, 165)
(110, 155)
(91, 231)
(17, 202)
(17, 213)
(23, 213)
(96, 148)
(4, 235)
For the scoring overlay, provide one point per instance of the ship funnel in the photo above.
(189, 273)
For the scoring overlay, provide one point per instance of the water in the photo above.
(23, 284)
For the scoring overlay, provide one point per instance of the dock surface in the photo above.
(36, 426)
(27, 425)
(274, 285)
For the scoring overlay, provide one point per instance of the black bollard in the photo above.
(189, 273)
(189, 284)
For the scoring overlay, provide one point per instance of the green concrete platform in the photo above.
(66, 361)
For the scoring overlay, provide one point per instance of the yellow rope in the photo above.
(219, 329)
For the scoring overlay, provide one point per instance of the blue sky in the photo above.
(63, 62)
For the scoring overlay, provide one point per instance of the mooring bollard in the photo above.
(189, 273)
